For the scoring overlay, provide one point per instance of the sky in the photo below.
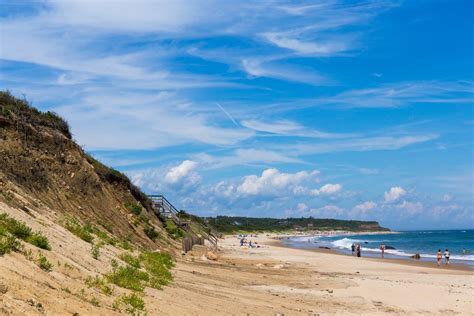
(332, 109)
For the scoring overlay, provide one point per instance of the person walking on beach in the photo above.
(446, 256)
(382, 249)
(353, 248)
(439, 256)
(358, 250)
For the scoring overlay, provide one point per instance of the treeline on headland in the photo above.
(233, 224)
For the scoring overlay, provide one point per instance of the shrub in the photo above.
(173, 230)
(132, 304)
(151, 232)
(39, 240)
(15, 227)
(18, 229)
(129, 277)
(100, 284)
(124, 244)
(158, 265)
(95, 251)
(94, 301)
(44, 264)
(131, 260)
(83, 232)
(9, 243)
(135, 208)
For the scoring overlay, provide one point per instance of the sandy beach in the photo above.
(273, 280)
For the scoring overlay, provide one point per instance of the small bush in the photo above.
(174, 231)
(129, 277)
(133, 304)
(9, 243)
(94, 301)
(95, 251)
(158, 265)
(7, 196)
(15, 227)
(83, 232)
(124, 244)
(135, 208)
(131, 260)
(100, 284)
(44, 264)
(151, 232)
(39, 240)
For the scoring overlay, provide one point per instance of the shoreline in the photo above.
(402, 261)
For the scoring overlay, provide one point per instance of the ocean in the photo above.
(406, 244)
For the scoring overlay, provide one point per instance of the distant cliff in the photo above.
(228, 224)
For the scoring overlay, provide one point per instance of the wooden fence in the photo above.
(189, 242)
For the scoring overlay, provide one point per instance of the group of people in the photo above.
(439, 256)
(249, 243)
(356, 249)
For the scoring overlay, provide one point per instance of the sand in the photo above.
(274, 280)
(271, 280)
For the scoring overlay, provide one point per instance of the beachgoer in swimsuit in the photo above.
(382, 248)
(353, 248)
(446, 256)
(439, 256)
(358, 250)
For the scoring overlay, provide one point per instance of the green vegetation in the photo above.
(227, 224)
(111, 175)
(20, 111)
(133, 207)
(132, 304)
(10, 229)
(150, 232)
(129, 277)
(6, 196)
(150, 269)
(39, 240)
(9, 243)
(43, 263)
(83, 232)
(94, 301)
(100, 284)
(130, 259)
(174, 231)
(95, 251)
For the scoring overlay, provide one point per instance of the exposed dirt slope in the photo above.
(40, 165)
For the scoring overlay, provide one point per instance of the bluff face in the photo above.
(41, 165)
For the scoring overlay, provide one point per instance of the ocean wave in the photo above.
(346, 244)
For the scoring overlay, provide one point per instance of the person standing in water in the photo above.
(358, 250)
(439, 256)
(446, 256)
(382, 249)
(353, 248)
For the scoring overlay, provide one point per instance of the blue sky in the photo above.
(352, 110)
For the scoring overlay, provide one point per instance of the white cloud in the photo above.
(327, 189)
(365, 207)
(301, 207)
(411, 208)
(284, 40)
(289, 128)
(177, 173)
(272, 181)
(394, 194)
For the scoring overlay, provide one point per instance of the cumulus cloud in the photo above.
(365, 207)
(272, 181)
(394, 194)
(176, 174)
(410, 208)
(327, 189)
